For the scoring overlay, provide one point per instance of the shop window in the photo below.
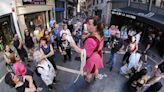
(158, 3)
(141, 1)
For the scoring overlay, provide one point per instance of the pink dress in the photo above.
(19, 69)
(95, 59)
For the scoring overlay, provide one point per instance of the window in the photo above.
(158, 3)
(102, 1)
(141, 1)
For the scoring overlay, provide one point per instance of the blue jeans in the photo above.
(111, 58)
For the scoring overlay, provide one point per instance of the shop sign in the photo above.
(34, 1)
(124, 14)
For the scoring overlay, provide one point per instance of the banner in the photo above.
(34, 2)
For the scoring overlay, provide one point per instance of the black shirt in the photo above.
(23, 87)
(29, 42)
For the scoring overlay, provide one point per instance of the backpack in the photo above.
(36, 70)
(97, 47)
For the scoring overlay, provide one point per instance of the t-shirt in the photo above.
(39, 35)
(64, 44)
(106, 34)
(20, 51)
(19, 69)
(23, 87)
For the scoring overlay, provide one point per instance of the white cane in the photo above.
(83, 62)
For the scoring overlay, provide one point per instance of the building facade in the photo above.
(8, 22)
(102, 8)
(34, 13)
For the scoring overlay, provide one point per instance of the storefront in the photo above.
(34, 13)
(7, 29)
(35, 20)
(141, 20)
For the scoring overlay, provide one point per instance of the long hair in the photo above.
(155, 87)
(98, 24)
(138, 75)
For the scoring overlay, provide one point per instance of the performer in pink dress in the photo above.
(93, 45)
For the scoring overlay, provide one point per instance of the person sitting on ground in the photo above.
(45, 69)
(64, 47)
(137, 81)
(21, 83)
(155, 87)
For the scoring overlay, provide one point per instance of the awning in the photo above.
(141, 15)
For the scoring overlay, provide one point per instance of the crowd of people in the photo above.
(87, 37)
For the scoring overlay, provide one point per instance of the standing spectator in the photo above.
(20, 47)
(39, 34)
(67, 32)
(124, 35)
(132, 48)
(65, 48)
(106, 35)
(47, 50)
(47, 35)
(148, 45)
(45, 69)
(28, 40)
(20, 83)
(138, 36)
(7, 53)
(56, 33)
(52, 21)
(112, 30)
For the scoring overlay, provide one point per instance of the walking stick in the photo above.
(83, 62)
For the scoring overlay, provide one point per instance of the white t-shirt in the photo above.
(68, 36)
(138, 36)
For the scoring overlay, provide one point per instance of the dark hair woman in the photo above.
(137, 80)
(48, 51)
(155, 87)
(21, 83)
(93, 45)
(28, 40)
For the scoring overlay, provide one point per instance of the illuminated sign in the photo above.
(123, 14)
(34, 1)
